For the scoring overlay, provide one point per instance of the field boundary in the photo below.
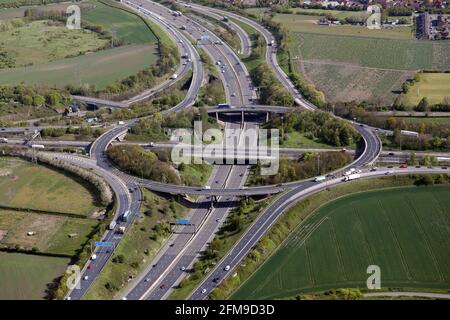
(48, 212)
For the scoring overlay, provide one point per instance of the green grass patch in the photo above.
(52, 232)
(25, 277)
(403, 230)
(99, 68)
(434, 86)
(295, 139)
(308, 24)
(40, 42)
(126, 25)
(27, 185)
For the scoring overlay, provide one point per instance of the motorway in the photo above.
(226, 181)
(127, 200)
(184, 247)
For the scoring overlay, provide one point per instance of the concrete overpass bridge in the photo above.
(250, 109)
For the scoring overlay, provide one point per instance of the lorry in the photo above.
(120, 123)
(272, 42)
(112, 225)
(37, 146)
(207, 187)
(349, 172)
(352, 177)
(319, 179)
(183, 27)
(126, 215)
(174, 76)
(3, 140)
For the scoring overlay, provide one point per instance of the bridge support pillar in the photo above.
(242, 117)
(217, 116)
(267, 116)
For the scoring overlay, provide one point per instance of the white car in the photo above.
(226, 268)
(94, 256)
(86, 278)
(203, 290)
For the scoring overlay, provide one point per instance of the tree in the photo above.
(423, 105)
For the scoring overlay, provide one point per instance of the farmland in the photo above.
(434, 86)
(40, 42)
(351, 63)
(27, 185)
(404, 231)
(52, 232)
(25, 277)
(99, 68)
(95, 68)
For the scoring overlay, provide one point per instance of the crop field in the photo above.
(434, 86)
(25, 277)
(52, 232)
(126, 25)
(99, 68)
(405, 231)
(37, 42)
(308, 24)
(27, 185)
(359, 68)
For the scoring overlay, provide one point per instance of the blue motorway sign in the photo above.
(103, 244)
(183, 221)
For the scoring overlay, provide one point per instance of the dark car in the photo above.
(444, 168)
(391, 153)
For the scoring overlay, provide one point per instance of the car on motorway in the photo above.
(146, 280)
(418, 166)
(391, 153)
(233, 94)
(403, 166)
(206, 187)
(444, 168)
(203, 290)
(226, 268)
(94, 256)
(162, 286)
(183, 268)
(373, 169)
(86, 278)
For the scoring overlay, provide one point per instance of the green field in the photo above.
(405, 231)
(99, 68)
(52, 232)
(308, 24)
(38, 42)
(126, 25)
(354, 67)
(27, 185)
(434, 86)
(25, 277)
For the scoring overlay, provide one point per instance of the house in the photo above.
(73, 111)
